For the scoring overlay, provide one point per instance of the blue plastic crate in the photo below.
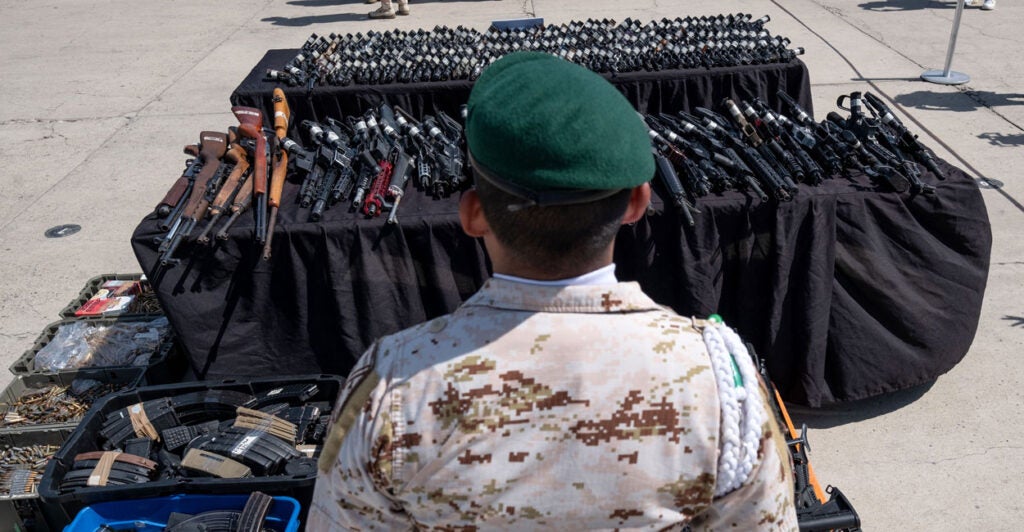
(145, 515)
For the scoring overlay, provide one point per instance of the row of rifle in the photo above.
(765, 153)
(601, 45)
(228, 175)
(366, 161)
(363, 161)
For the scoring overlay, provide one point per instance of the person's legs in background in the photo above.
(386, 11)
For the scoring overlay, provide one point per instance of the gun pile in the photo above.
(604, 46)
(765, 153)
(228, 175)
(366, 161)
(206, 434)
(362, 161)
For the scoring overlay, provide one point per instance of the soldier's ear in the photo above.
(471, 215)
(639, 199)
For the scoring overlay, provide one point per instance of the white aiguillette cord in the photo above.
(743, 410)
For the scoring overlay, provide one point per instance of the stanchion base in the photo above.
(940, 77)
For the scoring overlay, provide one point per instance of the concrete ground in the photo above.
(97, 97)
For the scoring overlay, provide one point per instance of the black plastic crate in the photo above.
(27, 512)
(25, 364)
(86, 438)
(24, 384)
(92, 287)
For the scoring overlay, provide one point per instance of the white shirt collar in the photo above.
(605, 275)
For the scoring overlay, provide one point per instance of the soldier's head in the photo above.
(560, 160)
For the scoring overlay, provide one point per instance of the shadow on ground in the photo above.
(316, 19)
(913, 5)
(853, 411)
(363, 9)
(1003, 140)
(965, 101)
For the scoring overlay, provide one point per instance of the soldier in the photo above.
(556, 397)
(385, 10)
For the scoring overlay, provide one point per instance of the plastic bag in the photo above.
(83, 344)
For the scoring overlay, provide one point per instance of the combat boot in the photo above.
(403, 8)
(382, 12)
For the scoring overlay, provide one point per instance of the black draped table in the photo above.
(847, 291)
(650, 92)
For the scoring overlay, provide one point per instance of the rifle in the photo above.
(212, 147)
(773, 126)
(179, 190)
(711, 163)
(870, 131)
(907, 139)
(447, 154)
(830, 151)
(282, 119)
(667, 174)
(399, 177)
(874, 168)
(237, 155)
(251, 120)
(753, 132)
(696, 181)
(242, 201)
(719, 126)
(721, 154)
(335, 160)
(813, 511)
(411, 128)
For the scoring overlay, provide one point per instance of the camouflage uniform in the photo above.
(579, 407)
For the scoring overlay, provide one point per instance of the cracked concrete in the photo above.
(99, 97)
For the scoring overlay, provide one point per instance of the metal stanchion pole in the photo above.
(946, 76)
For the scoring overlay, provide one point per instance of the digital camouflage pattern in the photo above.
(579, 407)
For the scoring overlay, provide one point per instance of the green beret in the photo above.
(538, 123)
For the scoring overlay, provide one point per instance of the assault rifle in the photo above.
(832, 152)
(880, 142)
(773, 127)
(715, 152)
(696, 181)
(814, 512)
(718, 126)
(908, 141)
(782, 161)
(873, 166)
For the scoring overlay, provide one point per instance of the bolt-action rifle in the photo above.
(282, 119)
(212, 147)
(222, 201)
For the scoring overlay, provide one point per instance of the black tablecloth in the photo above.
(847, 291)
(651, 92)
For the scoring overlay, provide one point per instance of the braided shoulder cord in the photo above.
(743, 410)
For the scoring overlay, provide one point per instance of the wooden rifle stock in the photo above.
(177, 191)
(282, 114)
(236, 155)
(212, 147)
(251, 120)
(228, 190)
(282, 119)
